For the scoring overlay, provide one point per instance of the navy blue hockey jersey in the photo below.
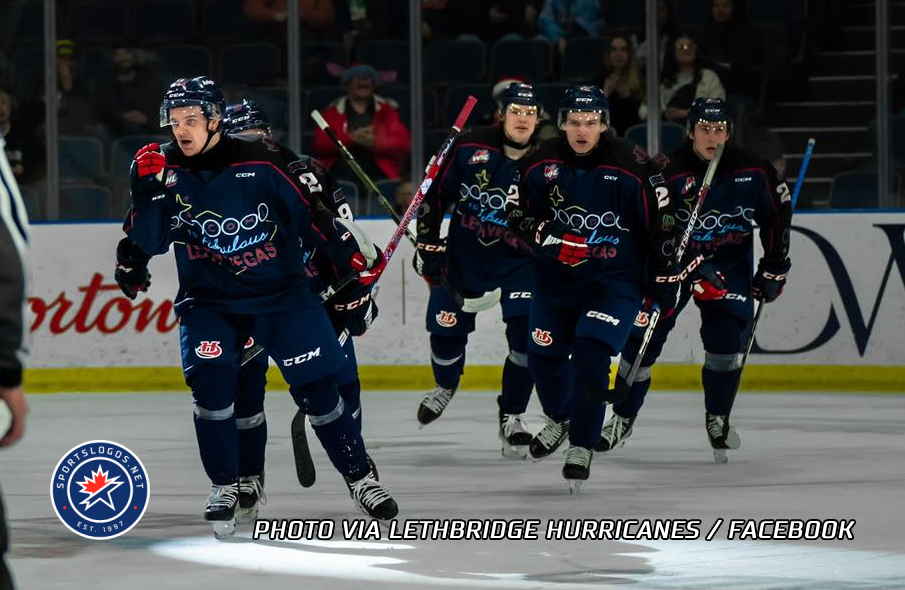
(240, 217)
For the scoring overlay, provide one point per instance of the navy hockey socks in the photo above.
(448, 359)
(214, 391)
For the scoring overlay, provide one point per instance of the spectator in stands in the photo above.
(127, 98)
(321, 20)
(729, 46)
(15, 147)
(666, 26)
(561, 20)
(510, 17)
(368, 124)
(685, 79)
(622, 84)
(74, 109)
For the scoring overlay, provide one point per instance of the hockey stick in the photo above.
(760, 303)
(680, 252)
(467, 304)
(433, 168)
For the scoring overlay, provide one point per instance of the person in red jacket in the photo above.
(368, 124)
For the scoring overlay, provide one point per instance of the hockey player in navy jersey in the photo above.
(240, 217)
(718, 269)
(598, 215)
(480, 254)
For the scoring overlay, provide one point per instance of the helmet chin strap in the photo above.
(210, 136)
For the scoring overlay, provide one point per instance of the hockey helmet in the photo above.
(584, 99)
(711, 110)
(200, 91)
(518, 93)
(244, 116)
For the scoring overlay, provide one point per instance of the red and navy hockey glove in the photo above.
(770, 279)
(149, 161)
(131, 272)
(708, 283)
(559, 241)
(147, 176)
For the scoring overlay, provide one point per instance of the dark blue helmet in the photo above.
(244, 116)
(199, 91)
(518, 93)
(585, 99)
(712, 110)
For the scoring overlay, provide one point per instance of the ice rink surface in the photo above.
(803, 456)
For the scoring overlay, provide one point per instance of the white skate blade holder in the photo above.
(224, 529)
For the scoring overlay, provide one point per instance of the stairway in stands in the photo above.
(841, 102)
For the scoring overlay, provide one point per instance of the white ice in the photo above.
(803, 456)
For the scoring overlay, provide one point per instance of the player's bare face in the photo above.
(519, 122)
(583, 131)
(190, 128)
(707, 136)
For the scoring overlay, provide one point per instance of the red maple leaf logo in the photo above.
(96, 483)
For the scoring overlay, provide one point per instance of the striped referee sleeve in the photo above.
(13, 275)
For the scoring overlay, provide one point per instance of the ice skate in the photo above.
(220, 509)
(577, 467)
(550, 438)
(433, 404)
(514, 436)
(722, 436)
(251, 495)
(614, 433)
(372, 498)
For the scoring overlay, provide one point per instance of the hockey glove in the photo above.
(131, 273)
(559, 241)
(708, 284)
(351, 249)
(353, 308)
(663, 290)
(430, 258)
(147, 175)
(770, 279)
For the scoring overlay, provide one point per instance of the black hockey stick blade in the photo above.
(304, 465)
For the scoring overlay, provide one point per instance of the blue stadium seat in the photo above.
(84, 202)
(583, 60)
(164, 20)
(32, 202)
(81, 159)
(388, 190)
(531, 59)
(223, 19)
(859, 190)
(99, 21)
(183, 61)
(21, 23)
(402, 96)
(455, 99)
(551, 95)
(326, 51)
(672, 135)
(693, 13)
(390, 55)
(625, 15)
(320, 98)
(454, 61)
(249, 63)
(123, 150)
(351, 192)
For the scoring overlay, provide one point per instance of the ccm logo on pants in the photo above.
(302, 357)
(604, 317)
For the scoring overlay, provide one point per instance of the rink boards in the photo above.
(840, 321)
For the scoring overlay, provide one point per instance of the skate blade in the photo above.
(733, 440)
(224, 529)
(575, 486)
(246, 515)
(719, 456)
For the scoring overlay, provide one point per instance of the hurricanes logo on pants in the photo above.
(447, 319)
(542, 337)
(209, 349)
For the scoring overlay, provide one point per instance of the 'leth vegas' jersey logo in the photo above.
(542, 337)
(551, 171)
(642, 319)
(99, 489)
(447, 319)
(209, 349)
